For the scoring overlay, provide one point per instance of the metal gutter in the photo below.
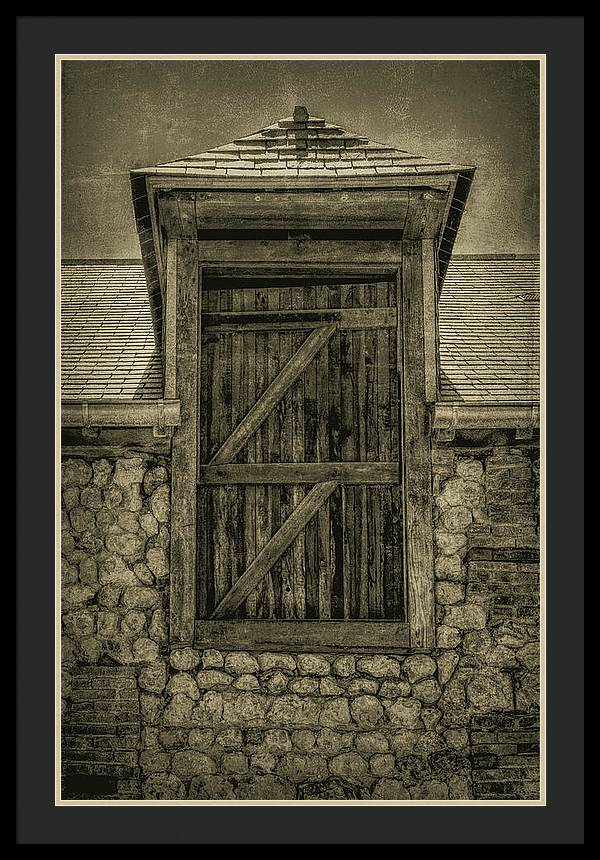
(158, 414)
(484, 416)
(166, 413)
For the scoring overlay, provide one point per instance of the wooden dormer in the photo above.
(297, 204)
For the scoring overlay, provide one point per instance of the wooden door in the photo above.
(299, 495)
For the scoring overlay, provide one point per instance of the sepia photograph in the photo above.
(300, 389)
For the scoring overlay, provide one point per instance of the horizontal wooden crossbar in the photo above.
(313, 636)
(300, 473)
(347, 318)
(274, 549)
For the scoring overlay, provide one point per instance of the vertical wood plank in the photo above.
(360, 494)
(372, 500)
(286, 435)
(384, 423)
(323, 525)
(220, 538)
(274, 446)
(310, 455)
(297, 492)
(334, 421)
(265, 593)
(237, 405)
(348, 447)
(418, 520)
(229, 494)
(205, 591)
(185, 448)
(249, 375)
(396, 539)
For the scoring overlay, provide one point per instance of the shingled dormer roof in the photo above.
(299, 152)
(304, 145)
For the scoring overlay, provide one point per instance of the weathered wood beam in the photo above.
(274, 549)
(347, 318)
(112, 442)
(418, 212)
(346, 271)
(273, 394)
(418, 515)
(429, 319)
(312, 636)
(185, 448)
(425, 213)
(170, 323)
(312, 252)
(375, 209)
(300, 473)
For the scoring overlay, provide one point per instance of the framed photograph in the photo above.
(302, 537)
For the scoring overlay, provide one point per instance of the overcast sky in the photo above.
(117, 115)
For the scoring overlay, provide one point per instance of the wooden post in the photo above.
(170, 327)
(185, 448)
(418, 516)
(429, 319)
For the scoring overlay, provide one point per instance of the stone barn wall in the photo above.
(140, 722)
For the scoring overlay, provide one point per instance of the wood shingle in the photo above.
(304, 146)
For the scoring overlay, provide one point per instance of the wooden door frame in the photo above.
(411, 264)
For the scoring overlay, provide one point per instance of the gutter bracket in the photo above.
(527, 432)
(160, 430)
(447, 433)
(86, 428)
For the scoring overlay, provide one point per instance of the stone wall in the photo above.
(459, 723)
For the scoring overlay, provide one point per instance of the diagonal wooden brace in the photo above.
(274, 549)
(271, 397)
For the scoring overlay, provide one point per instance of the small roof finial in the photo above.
(300, 114)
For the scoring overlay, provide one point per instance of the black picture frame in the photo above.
(39, 821)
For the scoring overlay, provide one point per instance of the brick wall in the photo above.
(101, 738)
(459, 723)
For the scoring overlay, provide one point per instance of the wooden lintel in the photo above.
(331, 209)
(417, 213)
(307, 251)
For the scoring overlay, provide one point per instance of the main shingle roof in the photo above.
(107, 341)
(303, 145)
(489, 332)
(489, 323)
